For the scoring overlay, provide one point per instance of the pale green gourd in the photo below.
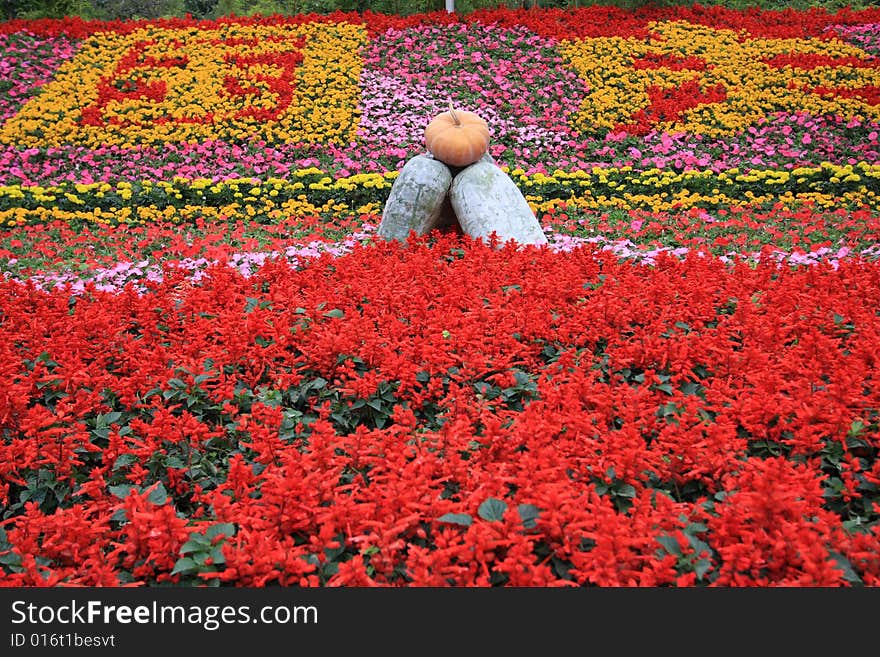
(415, 202)
(485, 200)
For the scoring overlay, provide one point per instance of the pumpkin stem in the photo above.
(453, 114)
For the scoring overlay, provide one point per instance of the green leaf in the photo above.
(122, 490)
(217, 555)
(668, 409)
(492, 509)
(124, 460)
(158, 495)
(626, 490)
(10, 559)
(702, 567)
(196, 543)
(106, 420)
(462, 519)
(698, 546)
(849, 573)
(336, 312)
(482, 387)
(529, 514)
(670, 544)
(184, 565)
(227, 529)
(376, 404)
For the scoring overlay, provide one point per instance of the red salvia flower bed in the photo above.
(445, 413)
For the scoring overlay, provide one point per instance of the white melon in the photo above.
(486, 200)
(415, 202)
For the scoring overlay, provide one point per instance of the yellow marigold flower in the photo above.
(170, 102)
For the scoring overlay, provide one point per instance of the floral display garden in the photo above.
(215, 373)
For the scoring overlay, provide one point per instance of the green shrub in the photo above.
(134, 9)
(125, 9)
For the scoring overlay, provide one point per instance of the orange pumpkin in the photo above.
(457, 138)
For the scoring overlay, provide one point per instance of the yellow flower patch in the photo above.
(290, 83)
(709, 81)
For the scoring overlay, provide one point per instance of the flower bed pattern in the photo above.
(216, 375)
(631, 425)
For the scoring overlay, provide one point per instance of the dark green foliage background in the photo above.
(128, 9)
